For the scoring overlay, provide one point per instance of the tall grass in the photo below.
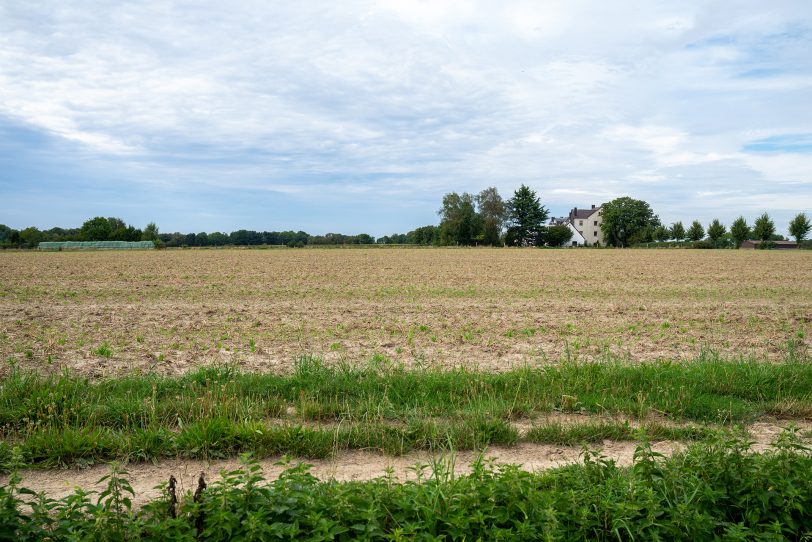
(217, 411)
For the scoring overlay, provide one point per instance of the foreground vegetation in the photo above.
(718, 490)
(318, 409)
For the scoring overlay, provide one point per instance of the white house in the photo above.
(588, 223)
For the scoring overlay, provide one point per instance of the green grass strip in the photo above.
(219, 411)
(217, 438)
(708, 389)
(593, 432)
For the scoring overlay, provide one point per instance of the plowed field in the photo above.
(105, 313)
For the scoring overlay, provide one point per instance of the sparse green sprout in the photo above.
(104, 351)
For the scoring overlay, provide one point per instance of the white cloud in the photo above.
(584, 99)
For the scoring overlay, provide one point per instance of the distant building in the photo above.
(778, 245)
(587, 222)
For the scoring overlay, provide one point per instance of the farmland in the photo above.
(367, 361)
(169, 312)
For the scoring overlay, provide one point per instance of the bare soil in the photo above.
(171, 311)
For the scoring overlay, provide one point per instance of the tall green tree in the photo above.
(715, 231)
(696, 232)
(555, 236)
(739, 231)
(626, 219)
(764, 228)
(493, 211)
(677, 231)
(424, 235)
(526, 215)
(460, 224)
(8, 236)
(96, 229)
(661, 233)
(218, 239)
(799, 228)
(150, 232)
(31, 237)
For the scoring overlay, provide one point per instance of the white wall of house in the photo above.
(577, 239)
(590, 228)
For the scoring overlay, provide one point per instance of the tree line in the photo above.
(115, 229)
(95, 229)
(484, 219)
(488, 219)
(717, 234)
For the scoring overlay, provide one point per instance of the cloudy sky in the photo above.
(358, 116)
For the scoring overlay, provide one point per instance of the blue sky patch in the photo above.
(787, 143)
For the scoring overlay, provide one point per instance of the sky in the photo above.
(357, 116)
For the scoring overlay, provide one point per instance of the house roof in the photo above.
(582, 213)
(577, 213)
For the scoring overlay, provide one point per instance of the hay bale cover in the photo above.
(95, 245)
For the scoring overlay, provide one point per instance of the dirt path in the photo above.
(354, 465)
(349, 465)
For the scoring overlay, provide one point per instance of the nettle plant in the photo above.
(717, 490)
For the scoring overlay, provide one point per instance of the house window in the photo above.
(596, 222)
(580, 222)
(596, 234)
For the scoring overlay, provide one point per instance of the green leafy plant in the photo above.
(717, 490)
(103, 350)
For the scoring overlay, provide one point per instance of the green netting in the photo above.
(98, 245)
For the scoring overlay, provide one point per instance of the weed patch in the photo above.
(717, 490)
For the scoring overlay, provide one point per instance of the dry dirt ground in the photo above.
(358, 465)
(169, 311)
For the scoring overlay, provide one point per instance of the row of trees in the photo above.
(115, 229)
(466, 219)
(239, 237)
(488, 219)
(253, 238)
(717, 234)
(424, 235)
(95, 229)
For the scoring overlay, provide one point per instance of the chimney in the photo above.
(593, 205)
(575, 211)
